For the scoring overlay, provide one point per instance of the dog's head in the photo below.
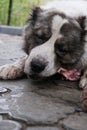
(52, 40)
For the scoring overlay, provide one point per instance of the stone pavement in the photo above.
(47, 105)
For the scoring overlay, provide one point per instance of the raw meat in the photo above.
(70, 74)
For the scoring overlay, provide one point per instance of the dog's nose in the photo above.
(37, 66)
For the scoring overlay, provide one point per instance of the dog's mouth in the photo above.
(71, 75)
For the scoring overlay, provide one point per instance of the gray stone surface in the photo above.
(10, 48)
(9, 125)
(42, 128)
(25, 103)
(50, 104)
(36, 109)
(76, 122)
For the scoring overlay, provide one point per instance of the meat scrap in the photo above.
(71, 75)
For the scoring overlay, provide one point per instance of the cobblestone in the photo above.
(35, 109)
(49, 105)
(9, 125)
(42, 128)
(76, 122)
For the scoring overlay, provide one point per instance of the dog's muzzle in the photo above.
(37, 66)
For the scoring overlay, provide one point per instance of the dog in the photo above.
(55, 35)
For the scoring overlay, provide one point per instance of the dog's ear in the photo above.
(81, 20)
(35, 12)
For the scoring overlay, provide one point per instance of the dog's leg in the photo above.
(14, 70)
(84, 99)
(83, 85)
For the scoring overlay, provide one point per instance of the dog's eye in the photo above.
(61, 50)
(43, 34)
(66, 28)
(43, 37)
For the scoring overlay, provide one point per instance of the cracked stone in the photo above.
(76, 122)
(35, 108)
(9, 125)
(25, 102)
(42, 128)
(69, 94)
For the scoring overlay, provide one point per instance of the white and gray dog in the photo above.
(55, 36)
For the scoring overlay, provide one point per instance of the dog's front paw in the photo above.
(10, 72)
(13, 71)
(83, 82)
